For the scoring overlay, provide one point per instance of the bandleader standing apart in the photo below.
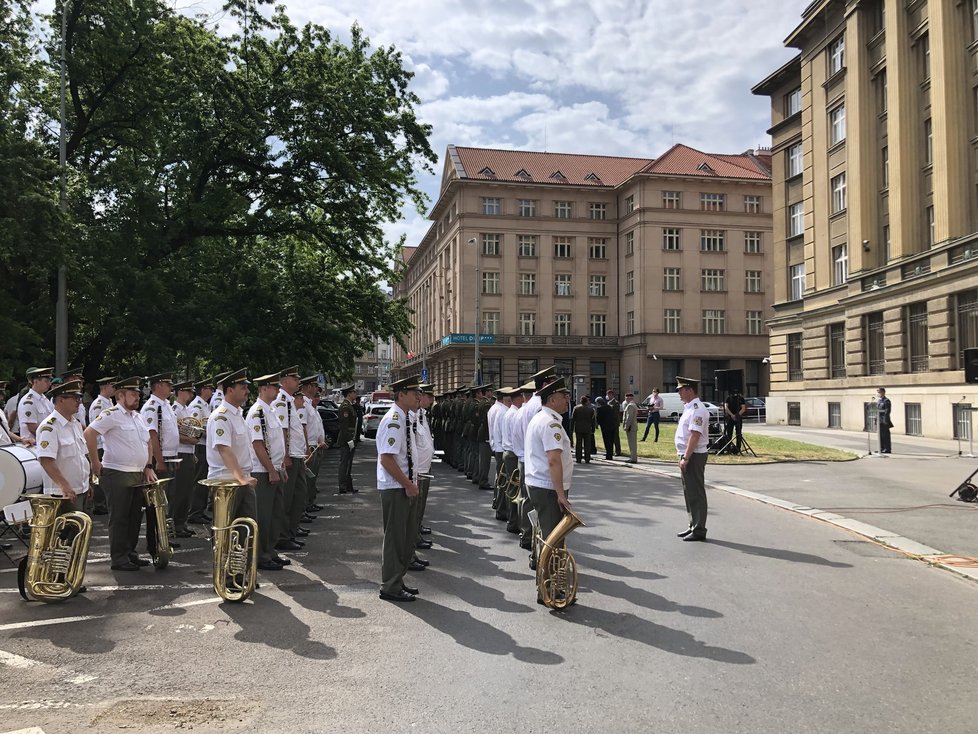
(398, 489)
(692, 444)
(549, 463)
(125, 463)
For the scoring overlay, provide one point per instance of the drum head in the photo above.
(20, 472)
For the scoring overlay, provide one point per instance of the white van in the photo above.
(672, 406)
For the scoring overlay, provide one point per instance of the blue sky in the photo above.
(612, 77)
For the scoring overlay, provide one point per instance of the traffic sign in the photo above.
(424, 374)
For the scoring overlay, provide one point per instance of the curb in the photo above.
(964, 567)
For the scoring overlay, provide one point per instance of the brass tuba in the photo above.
(235, 544)
(159, 527)
(56, 559)
(556, 569)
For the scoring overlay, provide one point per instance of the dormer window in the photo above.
(558, 176)
(487, 172)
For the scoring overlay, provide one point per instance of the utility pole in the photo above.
(61, 308)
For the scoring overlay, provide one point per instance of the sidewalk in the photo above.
(900, 499)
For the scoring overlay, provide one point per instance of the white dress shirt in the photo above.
(61, 439)
(169, 436)
(125, 437)
(546, 433)
(262, 425)
(227, 428)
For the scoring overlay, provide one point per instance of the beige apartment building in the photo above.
(875, 151)
(623, 272)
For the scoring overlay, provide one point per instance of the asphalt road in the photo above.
(779, 624)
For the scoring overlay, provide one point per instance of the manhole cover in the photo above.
(176, 714)
(866, 549)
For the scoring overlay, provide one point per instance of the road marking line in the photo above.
(44, 622)
(16, 661)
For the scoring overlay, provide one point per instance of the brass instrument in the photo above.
(156, 502)
(556, 569)
(235, 544)
(56, 559)
(191, 427)
(512, 489)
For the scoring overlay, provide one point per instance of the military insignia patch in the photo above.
(698, 422)
(220, 418)
(220, 431)
(27, 413)
(149, 419)
(394, 425)
(45, 428)
(391, 441)
(44, 444)
(555, 425)
(257, 429)
(557, 437)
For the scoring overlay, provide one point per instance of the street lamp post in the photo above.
(478, 295)
(421, 313)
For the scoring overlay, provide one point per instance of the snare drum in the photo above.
(20, 472)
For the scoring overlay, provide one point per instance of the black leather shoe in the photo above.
(425, 530)
(82, 589)
(306, 519)
(287, 545)
(343, 491)
(281, 561)
(138, 561)
(100, 511)
(6, 546)
(417, 565)
(684, 533)
(409, 589)
(301, 532)
(526, 544)
(423, 544)
(185, 533)
(514, 531)
(486, 486)
(354, 491)
(692, 537)
(125, 567)
(174, 545)
(399, 596)
(314, 508)
(270, 566)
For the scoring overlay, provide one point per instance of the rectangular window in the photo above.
(928, 142)
(795, 159)
(755, 323)
(713, 202)
(792, 102)
(671, 238)
(490, 244)
(490, 322)
(961, 417)
(916, 315)
(527, 245)
(714, 321)
(528, 284)
(629, 204)
(912, 419)
(527, 208)
(672, 279)
(492, 370)
(752, 204)
(597, 248)
(671, 200)
(794, 357)
(840, 264)
(598, 285)
(885, 166)
(837, 350)
(490, 282)
(562, 247)
(562, 324)
(839, 198)
(597, 210)
(875, 359)
(882, 92)
(630, 322)
(525, 369)
(931, 225)
(974, 20)
(837, 125)
(752, 243)
(562, 285)
(528, 323)
(713, 279)
(629, 282)
(796, 219)
(966, 323)
(796, 283)
(924, 45)
(599, 325)
(837, 55)
(629, 243)
(713, 240)
(492, 205)
(671, 321)
(752, 281)
(563, 209)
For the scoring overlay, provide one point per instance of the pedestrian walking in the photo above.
(654, 402)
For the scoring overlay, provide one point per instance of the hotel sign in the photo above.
(467, 339)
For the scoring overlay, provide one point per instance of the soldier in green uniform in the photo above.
(483, 450)
(346, 439)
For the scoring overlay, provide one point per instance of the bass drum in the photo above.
(20, 472)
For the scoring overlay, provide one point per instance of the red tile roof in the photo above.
(488, 164)
(681, 160)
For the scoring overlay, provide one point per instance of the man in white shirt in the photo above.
(268, 469)
(316, 435)
(183, 476)
(102, 401)
(7, 435)
(518, 440)
(421, 422)
(511, 462)
(217, 397)
(496, 411)
(124, 464)
(294, 487)
(34, 407)
(164, 437)
(692, 445)
(396, 481)
(61, 447)
(200, 408)
(229, 444)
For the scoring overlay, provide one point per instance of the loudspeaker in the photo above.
(728, 380)
(971, 365)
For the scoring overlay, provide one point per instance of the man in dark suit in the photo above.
(608, 423)
(883, 421)
(584, 419)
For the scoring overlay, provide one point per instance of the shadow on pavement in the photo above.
(643, 598)
(269, 622)
(779, 553)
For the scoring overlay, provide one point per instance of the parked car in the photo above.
(371, 419)
(756, 410)
(331, 420)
